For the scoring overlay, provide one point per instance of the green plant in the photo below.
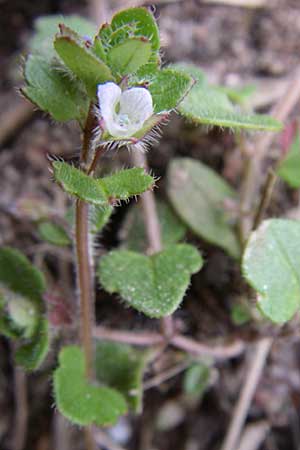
(112, 83)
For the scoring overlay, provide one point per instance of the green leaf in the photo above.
(238, 95)
(198, 195)
(120, 366)
(18, 275)
(207, 105)
(47, 26)
(54, 234)
(99, 217)
(120, 186)
(129, 56)
(196, 380)
(271, 265)
(7, 327)
(128, 183)
(210, 105)
(289, 168)
(32, 354)
(80, 401)
(190, 69)
(53, 91)
(142, 23)
(77, 183)
(172, 228)
(154, 285)
(81, 60)
(168, 88)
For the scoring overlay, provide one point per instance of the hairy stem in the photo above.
(85, 272)
(85, 283)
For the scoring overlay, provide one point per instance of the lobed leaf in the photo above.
(77, 183)
(81, 60)
(53, 91)
(154, 285)
(289, 168)
(198, 196)
(80, 401)
(122, 367)
(127, 183)
(271, 265)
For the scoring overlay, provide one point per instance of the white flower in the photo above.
(124, 113)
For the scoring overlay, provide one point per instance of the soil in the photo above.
(235, 46)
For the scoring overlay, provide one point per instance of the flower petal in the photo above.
(137, 104)
(109, 95)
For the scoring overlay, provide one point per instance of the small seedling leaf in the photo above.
(271, 265)
(80, 401)
(198, 195)
(196, 380)
(120, 366)
(154, 285)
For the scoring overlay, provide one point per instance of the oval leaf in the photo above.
(198, 195)
(271, 265)
(129, 56)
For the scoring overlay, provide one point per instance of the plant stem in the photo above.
(153, 231)
(84, 269)
(85, 283)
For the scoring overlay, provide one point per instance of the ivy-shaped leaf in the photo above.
(80, 401)
(53, 91)
(120, 366)
(271, 265)
(81, 60)
(54, 234)
(198, 195)
(32, 354)
(289, 169)
(154, 285)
